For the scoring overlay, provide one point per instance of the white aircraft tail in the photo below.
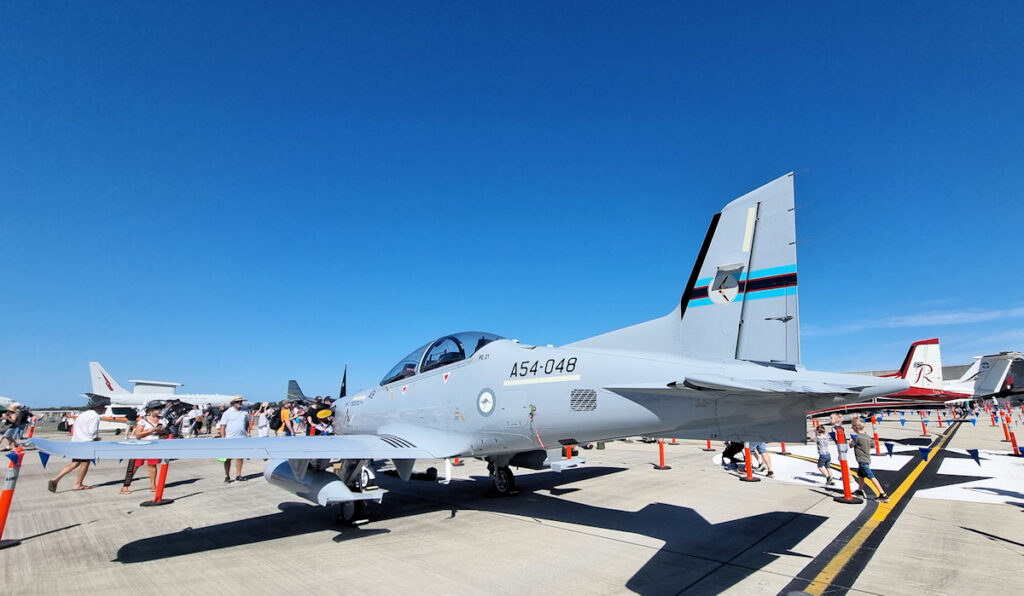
(103, 383)
(923, 365)
(741, 298)
(992, 371)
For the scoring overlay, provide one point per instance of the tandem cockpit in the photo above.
(440, 352)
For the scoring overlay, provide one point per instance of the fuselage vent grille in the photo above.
(583, 400)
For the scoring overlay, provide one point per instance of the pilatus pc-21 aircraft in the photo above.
(724, 364)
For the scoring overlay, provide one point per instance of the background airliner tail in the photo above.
(741, 298)
(103, 383)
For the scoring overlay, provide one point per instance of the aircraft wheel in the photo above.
(351, 511)
(504, 481)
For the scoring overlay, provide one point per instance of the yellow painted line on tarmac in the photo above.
(824, 579)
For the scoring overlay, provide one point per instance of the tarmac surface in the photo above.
(617, 525)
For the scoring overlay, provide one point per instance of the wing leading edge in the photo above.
(329, 447)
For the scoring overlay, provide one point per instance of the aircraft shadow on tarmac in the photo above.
(696, 555)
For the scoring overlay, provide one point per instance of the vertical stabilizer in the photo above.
(294, 392)
(740, 301)
(742, 298)
(103, 383)
(992, 372)
(923, 365)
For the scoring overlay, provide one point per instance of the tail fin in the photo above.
(993, 371)
(103, 383)
(294, 392)
(741, 298)
(923, 365)
(344, 384)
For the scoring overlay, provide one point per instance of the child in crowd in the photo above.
(821, 439)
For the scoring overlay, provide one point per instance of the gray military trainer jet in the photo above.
(724, 364)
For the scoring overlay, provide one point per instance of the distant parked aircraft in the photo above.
(988, 376)
(103, 384)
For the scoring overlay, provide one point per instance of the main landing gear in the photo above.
(502, 478)
(358, 477)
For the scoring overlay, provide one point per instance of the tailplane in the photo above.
(741, 298)
(103, 383)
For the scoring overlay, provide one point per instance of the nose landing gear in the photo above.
(502, 478)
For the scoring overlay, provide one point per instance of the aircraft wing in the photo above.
(384, 446)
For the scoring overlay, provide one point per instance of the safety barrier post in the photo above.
(568, 452)
(158, 498)
(878, 446)
(844, 465)
(1013, 442)
(661, 456)
(457, 462)
(708, 448)
(10, 480)
(940, 420)
(8, 494)
(32, 428)
(924, 428)
(674, 441)
(1006, 432)
(750, 472)
(783, 448)
(993, 419)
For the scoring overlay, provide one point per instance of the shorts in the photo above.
(824, 459)
(82, 461)
(11, 432)
(759, 447)
(146, 462)
(864, 470)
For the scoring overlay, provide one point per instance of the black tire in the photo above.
(504, 481)
(351, 511)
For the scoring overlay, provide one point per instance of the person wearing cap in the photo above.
(87, 428)
(233, 424)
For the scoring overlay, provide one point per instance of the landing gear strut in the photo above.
(358, 476)
(503, 479)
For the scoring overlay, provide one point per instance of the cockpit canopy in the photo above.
(440, 352)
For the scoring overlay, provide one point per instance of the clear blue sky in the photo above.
(236, 194)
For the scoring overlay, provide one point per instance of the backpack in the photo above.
(275, 420)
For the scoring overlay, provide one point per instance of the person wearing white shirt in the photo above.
(233, 425)
(87, 428)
